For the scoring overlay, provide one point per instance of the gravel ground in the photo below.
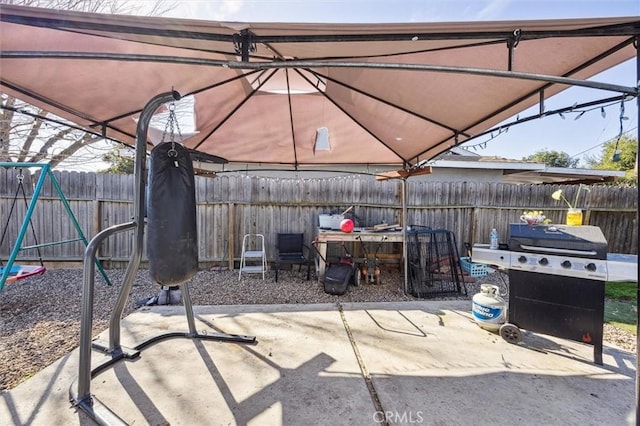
(40, 317)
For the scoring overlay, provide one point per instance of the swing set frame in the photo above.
(17, 247)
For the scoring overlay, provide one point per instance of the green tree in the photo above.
(625, 160)
(553, 158)
(31, 134)
(119, 164)
(618, 154)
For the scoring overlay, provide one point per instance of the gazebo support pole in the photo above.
(405, 261)
(637, 45)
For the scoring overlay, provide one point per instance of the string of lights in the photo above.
(616, 153)
(94, 152)
(578, 110)
(617, 137)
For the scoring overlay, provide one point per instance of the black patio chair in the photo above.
(291, 251)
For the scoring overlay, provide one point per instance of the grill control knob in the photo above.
(544, 261)
(566, 264)
(522, 259)
(591, 267)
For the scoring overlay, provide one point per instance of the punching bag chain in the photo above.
(171, 122)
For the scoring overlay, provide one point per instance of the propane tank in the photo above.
(489, 308)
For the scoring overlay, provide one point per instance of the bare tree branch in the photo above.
(5, 128)
(87, 139)
(49, 143)
(21, 134)
(31, 137)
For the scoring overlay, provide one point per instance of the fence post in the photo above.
(474, 225)
(230, 234)
(97, 221)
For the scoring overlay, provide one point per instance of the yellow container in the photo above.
(574, 217)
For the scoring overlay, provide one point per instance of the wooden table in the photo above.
(326, 237)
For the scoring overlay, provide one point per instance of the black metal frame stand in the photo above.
(566, 307)
(79, 392)
(433, 263)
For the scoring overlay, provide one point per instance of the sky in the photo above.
(577, 138)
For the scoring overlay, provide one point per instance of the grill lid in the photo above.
(574, 241)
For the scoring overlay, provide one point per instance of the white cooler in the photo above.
(330, 221)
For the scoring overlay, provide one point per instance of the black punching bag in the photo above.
(172, 235)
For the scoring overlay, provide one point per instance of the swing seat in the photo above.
(19, 272)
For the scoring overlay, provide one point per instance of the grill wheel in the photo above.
(511, 333)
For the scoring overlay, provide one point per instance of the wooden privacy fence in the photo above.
(230, 206)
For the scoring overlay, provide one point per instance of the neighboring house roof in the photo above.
(521, 171)
(448, 167)
(562, 175)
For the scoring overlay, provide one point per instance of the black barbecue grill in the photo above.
(556, 282)
(579, 241)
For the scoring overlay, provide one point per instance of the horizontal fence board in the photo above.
(277, 205)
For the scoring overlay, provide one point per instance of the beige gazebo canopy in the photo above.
(267, 93)
(297, 95)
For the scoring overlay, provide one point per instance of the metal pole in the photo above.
(327, 64)
(139, 204)
(637, 45)
(86, 319)
(188, 310)
(84, 375)
(404, 236)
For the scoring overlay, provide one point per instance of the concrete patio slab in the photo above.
(422, 362)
